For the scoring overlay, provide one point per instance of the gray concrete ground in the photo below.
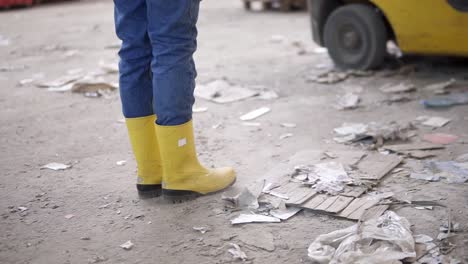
(38, 127)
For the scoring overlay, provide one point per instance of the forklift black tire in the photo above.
(267, 5)
(356, 37)
(247, 5)
(285, 5)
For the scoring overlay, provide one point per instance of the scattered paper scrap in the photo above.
(70, 53)
(320, 50)
(221, 91)
(93, 89)
(288, 125)
(399, 98)
(247, 198)
(277, 38)
(440, 88)
(34, 78)
(400, 88)
(329, 77)
(237, 253)
(127, 245)
(86, 87)
(283, 212)
(56, 166)
(434, 121)
(267, 95)
(121, 162)
(285, 136)
(348, 101)
(351, 129)
(69, 216)
(251, 124)
(201, 229)
(4, 41)
(199, 109)
(402, 148)
(393, 49)
(60, 81)
(254, 218)
(332, 76)
(255, 114)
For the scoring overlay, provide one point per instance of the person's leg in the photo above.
(173, 35)
(136, 92)
(172, 32)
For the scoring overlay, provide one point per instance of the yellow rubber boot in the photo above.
(146, 150)
(184, 178)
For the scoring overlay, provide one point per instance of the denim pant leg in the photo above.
(172, 31)
(136, 90)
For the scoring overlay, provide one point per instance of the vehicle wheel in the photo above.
(266, 5)
(356, 37)
(285, 5)
(247, 5)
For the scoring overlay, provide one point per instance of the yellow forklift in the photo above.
(356, 32)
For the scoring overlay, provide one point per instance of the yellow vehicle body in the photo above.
(427, 26)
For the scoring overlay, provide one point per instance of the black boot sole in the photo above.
(181, 196)
(178, 196)
(148, 191)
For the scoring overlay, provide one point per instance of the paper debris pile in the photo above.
(93, 89)
(333, 187)
(90, 84)
(378, 133)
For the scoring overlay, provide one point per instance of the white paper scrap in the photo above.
(255, 114)
(56, 166)
(254, 218)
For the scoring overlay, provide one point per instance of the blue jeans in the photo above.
(157, 71)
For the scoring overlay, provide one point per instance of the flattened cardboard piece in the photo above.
(376, 166)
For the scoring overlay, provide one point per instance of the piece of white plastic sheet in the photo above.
(384, 240)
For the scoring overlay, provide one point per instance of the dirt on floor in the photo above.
(83, 214)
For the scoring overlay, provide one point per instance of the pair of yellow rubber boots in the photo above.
(168, 164)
